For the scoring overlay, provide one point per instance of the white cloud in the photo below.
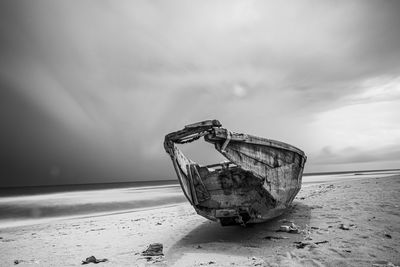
(382, 88)
(239, 90)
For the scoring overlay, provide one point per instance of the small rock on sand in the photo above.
(302, 244)
(294, 229)
(309, 244)
(388, 235)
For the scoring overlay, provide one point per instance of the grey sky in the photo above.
(90, 88)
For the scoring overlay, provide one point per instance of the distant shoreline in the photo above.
(42, 189)
(167, 181)
(345, 172)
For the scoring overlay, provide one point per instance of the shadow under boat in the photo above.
(207, 236)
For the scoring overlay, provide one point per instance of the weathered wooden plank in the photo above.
(221, 134)
(207, 123)
(183, 181)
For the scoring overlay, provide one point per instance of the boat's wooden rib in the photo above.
(259, 182)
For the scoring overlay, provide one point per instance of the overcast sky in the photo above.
(88, 89)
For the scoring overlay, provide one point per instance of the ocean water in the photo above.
(310, 179)
(30, 205)
(22, 206)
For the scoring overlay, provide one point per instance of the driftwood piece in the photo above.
(155, 249)
(93, 259)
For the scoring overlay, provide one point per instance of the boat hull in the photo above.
(258, 183)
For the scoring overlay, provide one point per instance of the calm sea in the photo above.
(30, 205)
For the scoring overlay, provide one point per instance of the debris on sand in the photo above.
(292, 228)
(207, 263)
(26, 262)
(155, 249)
(388, 235)
(302, 244)
(92, 259)
(344, 226)
(154, 253)
(269, 237)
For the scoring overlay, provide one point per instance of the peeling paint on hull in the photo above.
(259, 181)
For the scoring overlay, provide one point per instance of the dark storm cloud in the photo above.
(90, 88)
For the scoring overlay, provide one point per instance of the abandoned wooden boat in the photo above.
(258, 183)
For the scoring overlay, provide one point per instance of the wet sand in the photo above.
(347, 223)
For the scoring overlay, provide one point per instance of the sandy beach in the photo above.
(347, 223)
